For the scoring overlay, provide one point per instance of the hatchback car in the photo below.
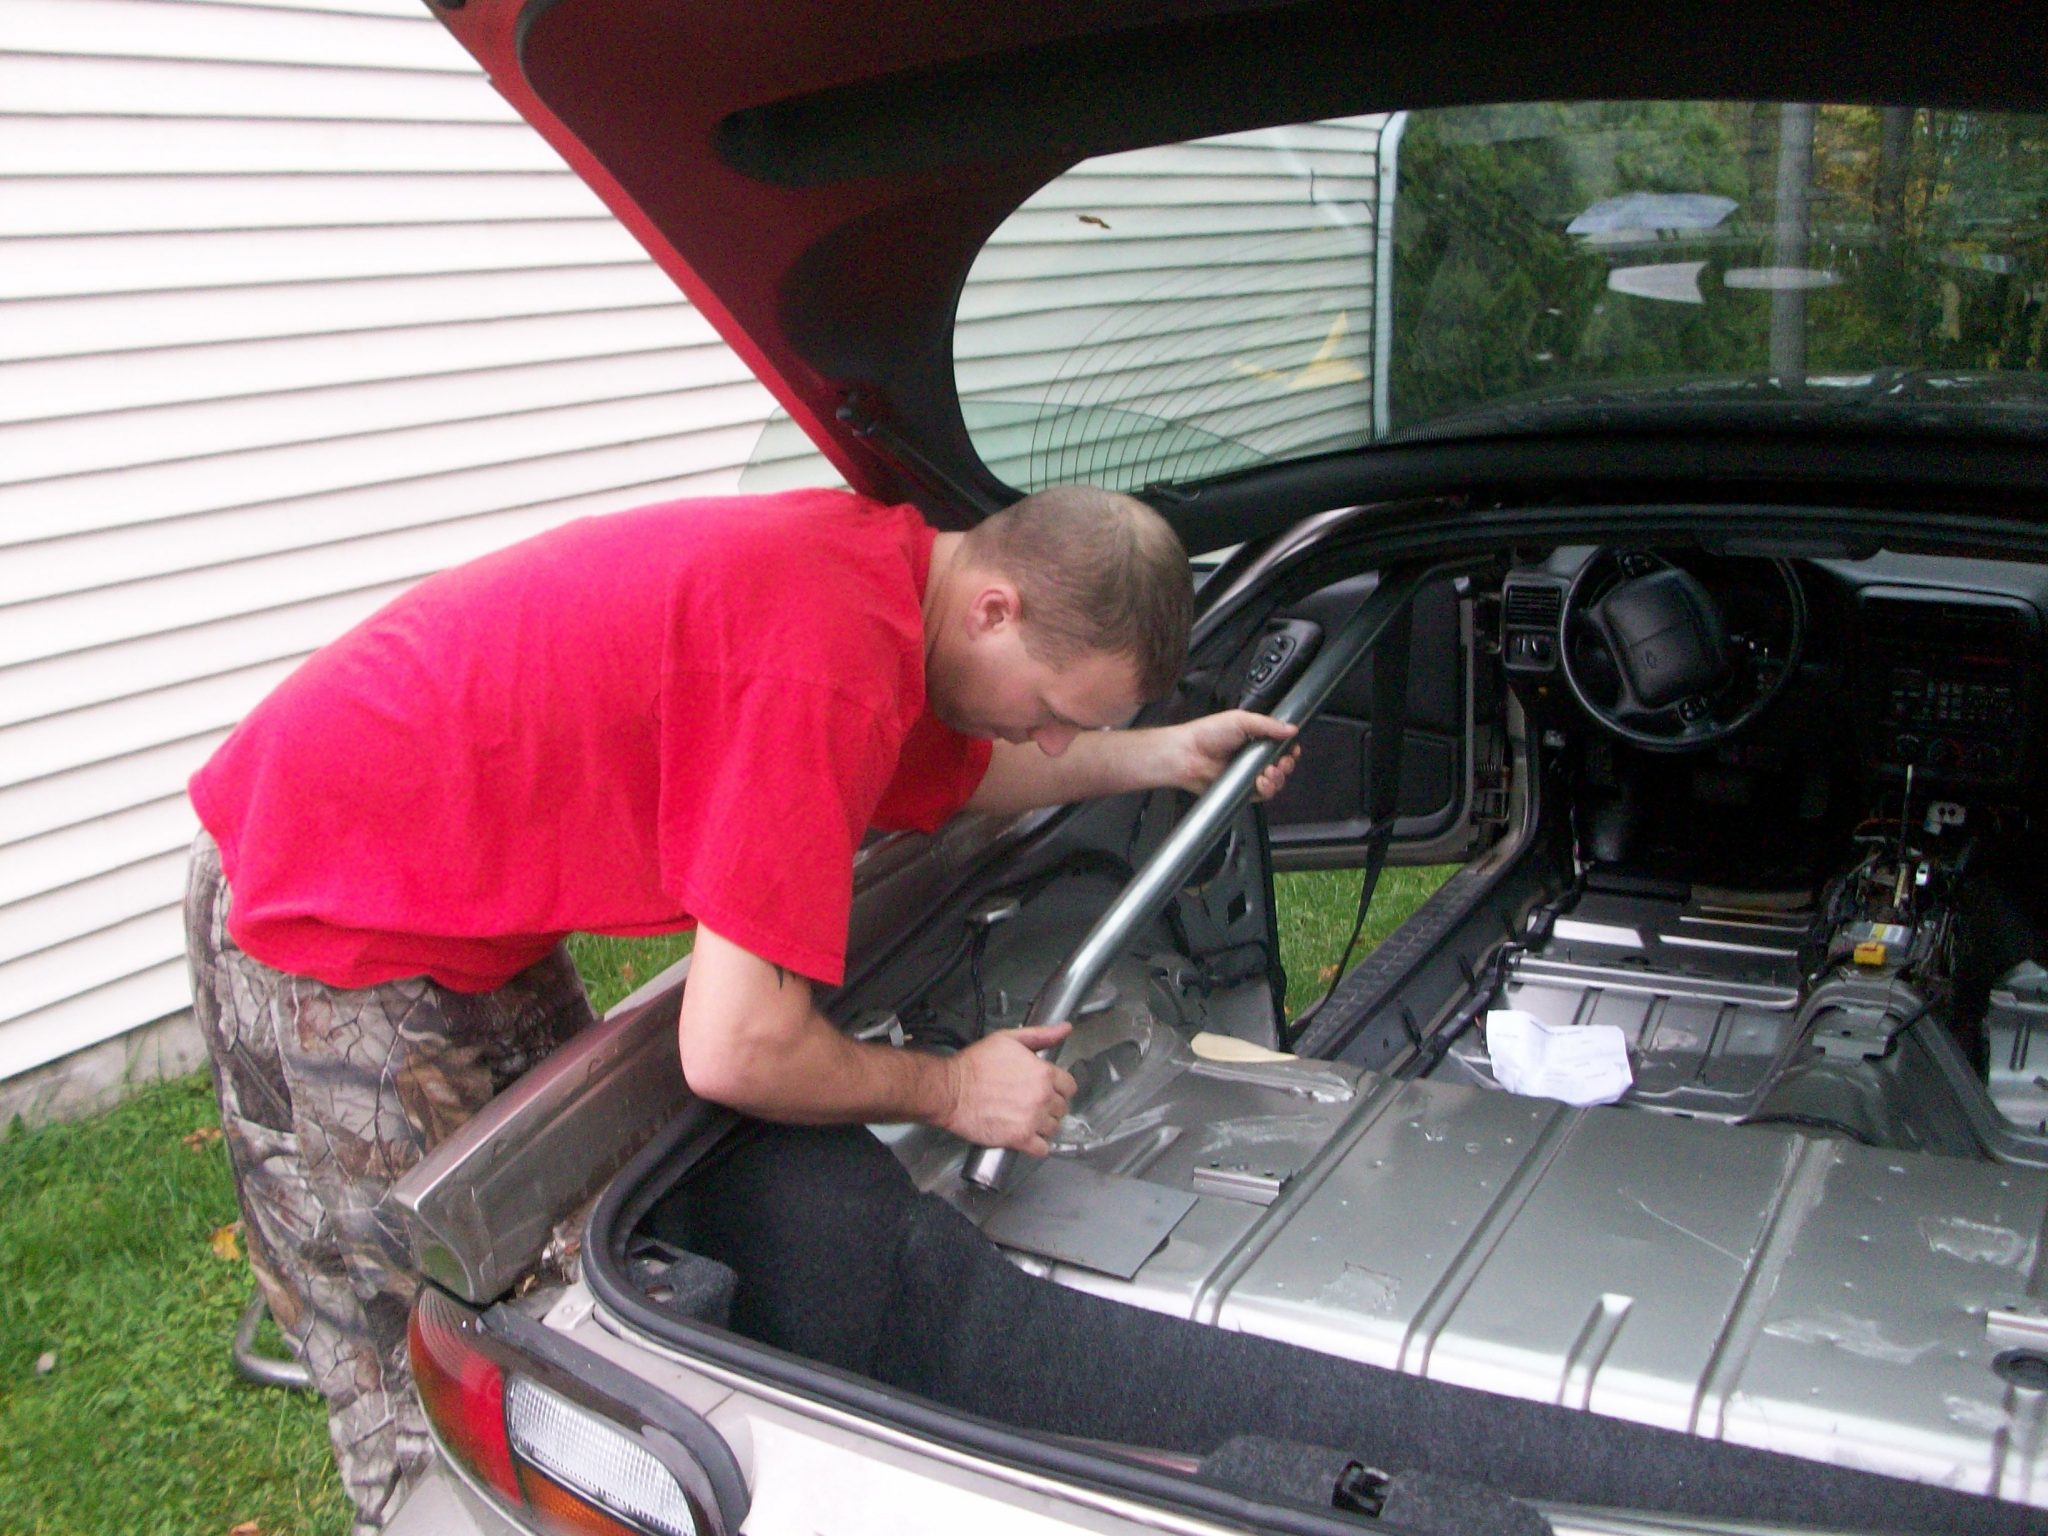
(1620, 440)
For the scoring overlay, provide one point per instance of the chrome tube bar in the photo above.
(265, 1370)
(1168, 869)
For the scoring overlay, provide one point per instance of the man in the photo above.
(687, 714)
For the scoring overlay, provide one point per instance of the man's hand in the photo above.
(1207, 745)
(1004, 1096)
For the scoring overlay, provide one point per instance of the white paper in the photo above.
(1578, 1063)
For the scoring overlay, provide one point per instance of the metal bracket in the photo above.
(2022, 1322)
(888, 1027)
(1492, 794)
(1857, 1019)
(1239, 1181)
(265, 1370)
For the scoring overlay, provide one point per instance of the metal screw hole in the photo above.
(2023, 1368)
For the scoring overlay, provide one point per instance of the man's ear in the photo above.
(993, 607)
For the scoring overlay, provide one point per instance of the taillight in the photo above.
(462, 1388)
(530, 1419)
(563, 1512)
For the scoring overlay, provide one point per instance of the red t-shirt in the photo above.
(690, 712)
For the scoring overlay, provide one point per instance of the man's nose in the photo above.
(1054, 739)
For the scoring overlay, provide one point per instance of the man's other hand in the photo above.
(1207, 745)
(1004, 1096)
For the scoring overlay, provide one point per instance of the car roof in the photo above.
(818, 175)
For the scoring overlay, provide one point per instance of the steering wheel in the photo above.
(1650, 653)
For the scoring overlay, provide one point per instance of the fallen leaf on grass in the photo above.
(1327, 974)
(246, 1528)
(202, 1138)
(46, 1362)
(226, 1243)
(625, 970)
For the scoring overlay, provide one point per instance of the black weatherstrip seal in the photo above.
(627, 1200)
(1955, 478)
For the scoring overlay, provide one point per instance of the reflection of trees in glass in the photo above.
(1487, 285)
(1929, 231)
(1972, 255)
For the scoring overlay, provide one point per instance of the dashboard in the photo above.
(1938, 662)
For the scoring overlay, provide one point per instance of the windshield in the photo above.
(1168, 314)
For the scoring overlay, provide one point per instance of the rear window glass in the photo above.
(1175, 313)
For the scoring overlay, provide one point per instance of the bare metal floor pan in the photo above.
(1706, 999)
(1752, 1284)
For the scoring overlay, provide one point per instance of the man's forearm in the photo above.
(1023, 778)
(1187, 756)
(751, 1039)
(806, 1072)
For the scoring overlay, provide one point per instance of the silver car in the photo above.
(1619, 439)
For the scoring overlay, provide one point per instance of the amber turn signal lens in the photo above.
(562, 1511)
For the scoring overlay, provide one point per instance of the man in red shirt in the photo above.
(685, 715)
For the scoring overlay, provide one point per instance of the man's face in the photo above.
(997, 688)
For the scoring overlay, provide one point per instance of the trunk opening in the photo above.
(817, 1244)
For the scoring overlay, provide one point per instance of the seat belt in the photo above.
(1389, 736)
(1383, 789)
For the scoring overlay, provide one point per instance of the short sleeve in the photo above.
(767, 787)
(936, 773)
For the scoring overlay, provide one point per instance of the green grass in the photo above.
(613, 967)
(107, 1263)
(1317, 909)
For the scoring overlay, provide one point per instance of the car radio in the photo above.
(1949, 683)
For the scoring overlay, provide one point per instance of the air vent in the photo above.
(1530, 606)
(1946, 622)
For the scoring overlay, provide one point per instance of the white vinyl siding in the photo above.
(293, 311)
(1169, 313)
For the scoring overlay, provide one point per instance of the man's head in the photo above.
(1062, 613)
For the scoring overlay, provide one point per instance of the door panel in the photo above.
(1324, 810)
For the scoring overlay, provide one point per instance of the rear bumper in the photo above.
(440, 1504)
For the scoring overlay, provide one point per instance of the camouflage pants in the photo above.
(327, 1097)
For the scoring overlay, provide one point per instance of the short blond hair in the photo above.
(1095, 571)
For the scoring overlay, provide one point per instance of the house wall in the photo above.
(1174, 312)
(293, 311)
